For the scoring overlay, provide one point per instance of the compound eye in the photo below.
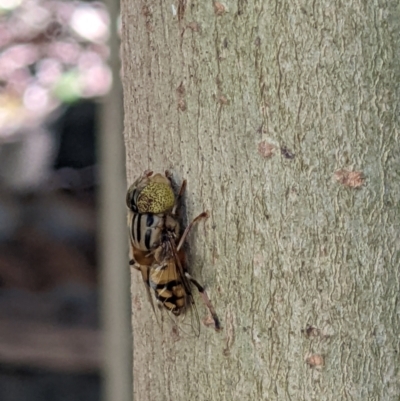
(130, 201)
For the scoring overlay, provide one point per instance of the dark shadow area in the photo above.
(40, 385)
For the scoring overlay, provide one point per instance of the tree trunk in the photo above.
(283, 118)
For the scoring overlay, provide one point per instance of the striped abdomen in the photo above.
(168, 287)
(145, 231)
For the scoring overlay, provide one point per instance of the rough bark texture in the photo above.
(287, 246)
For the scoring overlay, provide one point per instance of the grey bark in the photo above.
(287, 247)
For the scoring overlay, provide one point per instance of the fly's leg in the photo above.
(168, 174)
(206, 300)
(203, 215)
(146, 174)
(179, 197)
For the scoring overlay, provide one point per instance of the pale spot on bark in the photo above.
(266, 149)
(219, 8)
(315, 360)
(352, 179)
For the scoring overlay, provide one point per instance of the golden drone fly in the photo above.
(157, 246)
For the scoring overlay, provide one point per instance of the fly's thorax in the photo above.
(146, 230)
(156, 198)
(151, 194)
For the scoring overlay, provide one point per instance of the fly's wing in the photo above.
(145, 270)
(189, 321)
(187, 281)
(142, 261)
(175, 301)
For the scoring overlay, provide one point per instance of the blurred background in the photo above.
(64, 295)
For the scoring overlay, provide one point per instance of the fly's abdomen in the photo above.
(168, 289)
